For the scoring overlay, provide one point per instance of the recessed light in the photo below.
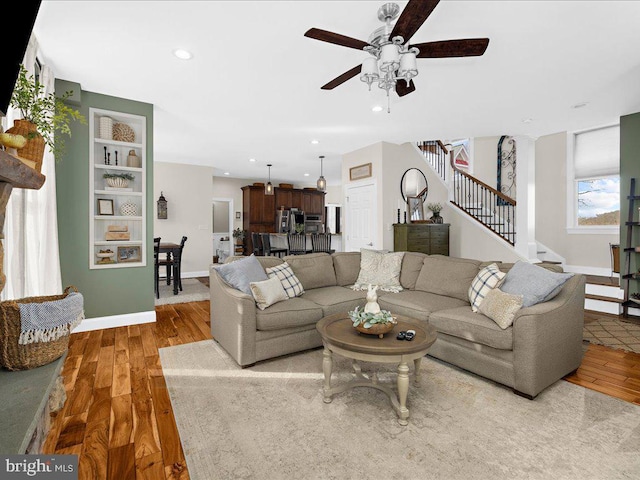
(527, 120)
(227, 173)
(376, 108)
(315, 142)
(580, 105)
(306, 174)
(182, 54)
(252, 159)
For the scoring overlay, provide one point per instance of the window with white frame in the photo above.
(596, 156)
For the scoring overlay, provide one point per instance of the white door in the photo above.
(360, 217)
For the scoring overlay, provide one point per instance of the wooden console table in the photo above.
(13, 174)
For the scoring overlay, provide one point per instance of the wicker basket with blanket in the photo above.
(35, 331)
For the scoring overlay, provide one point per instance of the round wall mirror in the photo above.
(414, 184)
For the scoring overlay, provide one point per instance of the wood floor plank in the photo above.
(167, 428)
(121, 380)
(92, 349)
(104, 367)
(72, 431)
(145, 428)
(148, 340)
(108, 337)
(150, 467)
(70, 371)
(154, 367)
(121, 464)
(94, 457)
(122, 345)
(100, 407)
(77, 343)
(121, 421)
(80, 397)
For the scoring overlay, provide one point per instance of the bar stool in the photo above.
(268, 249)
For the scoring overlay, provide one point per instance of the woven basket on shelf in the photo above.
(34, 149)
(14, 356)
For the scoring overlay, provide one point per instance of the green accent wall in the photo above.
(629, 168)
(108, 291)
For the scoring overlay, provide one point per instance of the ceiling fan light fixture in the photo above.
(369, 71)
(321, 185)
(389, 57)
(408, 66)
(268, 188)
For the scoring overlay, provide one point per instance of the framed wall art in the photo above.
(129, 253)
(105, 206)
(361, 171)
(415, 209)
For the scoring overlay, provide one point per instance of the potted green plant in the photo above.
(118, 179)
(377, 323)
(46, 119)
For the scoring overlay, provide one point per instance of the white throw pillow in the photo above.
(501, 307)
(381, 269)
(487, 279)
(268, 292)
(288, 279)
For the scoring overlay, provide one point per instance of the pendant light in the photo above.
(322, 183)
(268, 188)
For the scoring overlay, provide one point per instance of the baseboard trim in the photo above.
(99, 323)
(204, 273)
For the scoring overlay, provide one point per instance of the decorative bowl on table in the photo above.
(372, 323)
(105, 256)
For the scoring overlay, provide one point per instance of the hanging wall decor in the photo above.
(162, 207)
(506, 167)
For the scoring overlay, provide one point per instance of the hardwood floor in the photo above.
(118, 417)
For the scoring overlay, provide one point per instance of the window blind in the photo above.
(597, 153)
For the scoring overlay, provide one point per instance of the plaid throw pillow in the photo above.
(487, 279)
(289, 281)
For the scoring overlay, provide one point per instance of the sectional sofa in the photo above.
(543, 344)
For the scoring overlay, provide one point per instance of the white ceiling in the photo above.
(252, 89)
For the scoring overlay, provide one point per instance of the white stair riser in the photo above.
(604, 291)
(602, 306)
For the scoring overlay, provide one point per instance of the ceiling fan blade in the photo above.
(470, 47)
(335, 38)
(412, 18)
(342, 78)
(402, 89)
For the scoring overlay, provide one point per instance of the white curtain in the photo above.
(31, 260)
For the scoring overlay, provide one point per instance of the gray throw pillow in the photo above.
(240, 273)
(534, 283)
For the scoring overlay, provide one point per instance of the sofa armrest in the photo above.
(233, 320)
(547, 339)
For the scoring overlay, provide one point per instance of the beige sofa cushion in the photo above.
(294, 312)
(314, 270)
(336, 299)
(347, 267)
(461, 322)
(415, 304)
(449, 276)
(411, 265)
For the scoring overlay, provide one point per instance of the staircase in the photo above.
(497, 212)
(480, 201)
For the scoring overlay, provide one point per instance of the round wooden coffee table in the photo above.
(339, 336)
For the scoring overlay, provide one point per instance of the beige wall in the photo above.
(485, 152)
(230, 188)
(187, 189)
(579, 250)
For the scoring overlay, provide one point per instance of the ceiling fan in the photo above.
(392, 58)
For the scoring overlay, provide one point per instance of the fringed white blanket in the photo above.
(48, 321)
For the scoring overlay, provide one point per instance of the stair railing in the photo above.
(436, 154)
(490, 207)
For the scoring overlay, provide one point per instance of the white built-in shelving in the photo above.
(102, 157)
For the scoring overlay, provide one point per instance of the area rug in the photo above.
(269, 422)
(193, 290)
(613, 333)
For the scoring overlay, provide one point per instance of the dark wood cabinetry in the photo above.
(259, 210)
(430, 238)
